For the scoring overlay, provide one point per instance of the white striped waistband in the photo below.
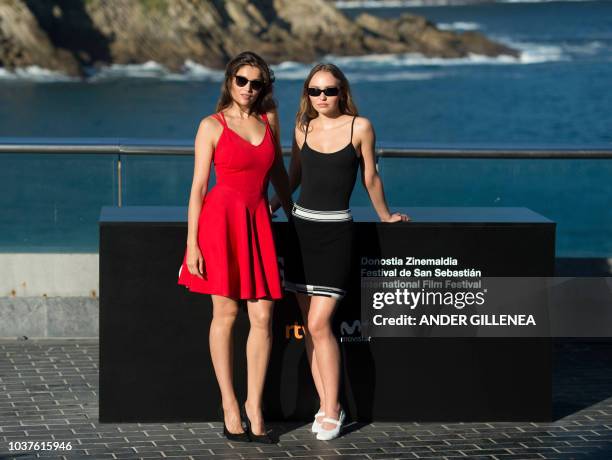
(310, 289)
(321, 216)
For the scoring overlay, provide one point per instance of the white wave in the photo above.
(363, 68)
(542, 1)
(295, 74)
(149, 69)
(530, 53)
(153, 70)
(368, 60)
(393, 67)
(417, 59)
(458, 25)
(286, 65)
(589, 48)
(34, 73)
(291, 70)
(348, 4)
(535, 53)
(194, 71)
(351, 4)
(393, 76)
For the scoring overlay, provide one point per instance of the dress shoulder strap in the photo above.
(220, 118)
(352, 124)
(306, 131)
(264, 117)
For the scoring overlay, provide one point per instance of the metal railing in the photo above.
(186, 148)
(136, 147)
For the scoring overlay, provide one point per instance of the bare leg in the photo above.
(259, 344)
(225, 311)
(326, 351)
(304, 303)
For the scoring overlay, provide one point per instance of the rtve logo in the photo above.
(299, 331)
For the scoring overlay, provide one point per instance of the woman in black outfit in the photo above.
(331, 141)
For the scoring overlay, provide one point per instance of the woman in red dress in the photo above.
(230, 248)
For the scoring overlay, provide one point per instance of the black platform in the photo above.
(154, 358)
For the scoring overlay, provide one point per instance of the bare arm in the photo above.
(369, 175)
(278, 175)
(295, 174)
(208, 133)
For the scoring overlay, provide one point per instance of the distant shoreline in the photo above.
(351, 4)
(74, 37)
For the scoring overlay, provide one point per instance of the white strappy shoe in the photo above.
(316, 426)
(326, 435)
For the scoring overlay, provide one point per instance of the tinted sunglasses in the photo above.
(256, 85)
(329, 92)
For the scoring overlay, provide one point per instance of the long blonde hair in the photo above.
(307, 112)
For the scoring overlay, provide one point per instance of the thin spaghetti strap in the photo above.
(306, 131)
(352, 124)
(221, 118)
(264, 117)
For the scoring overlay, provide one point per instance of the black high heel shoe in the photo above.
(239, 437)
(262, 438)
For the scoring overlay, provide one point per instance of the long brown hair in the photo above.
(265, 100)
(307, 112)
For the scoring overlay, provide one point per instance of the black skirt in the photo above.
(319, 252)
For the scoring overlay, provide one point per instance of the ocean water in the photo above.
(557, 93)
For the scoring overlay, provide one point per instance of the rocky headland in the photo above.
(72, 36)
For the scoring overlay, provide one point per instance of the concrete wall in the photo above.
(49, 295)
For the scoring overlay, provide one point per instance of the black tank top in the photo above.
(328, 178)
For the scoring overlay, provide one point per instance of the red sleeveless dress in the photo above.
(234, 227)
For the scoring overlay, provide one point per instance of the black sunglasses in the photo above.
(255, 84)
(329, 92)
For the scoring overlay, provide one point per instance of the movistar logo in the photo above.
(345, 329)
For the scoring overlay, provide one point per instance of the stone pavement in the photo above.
(48, 393)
